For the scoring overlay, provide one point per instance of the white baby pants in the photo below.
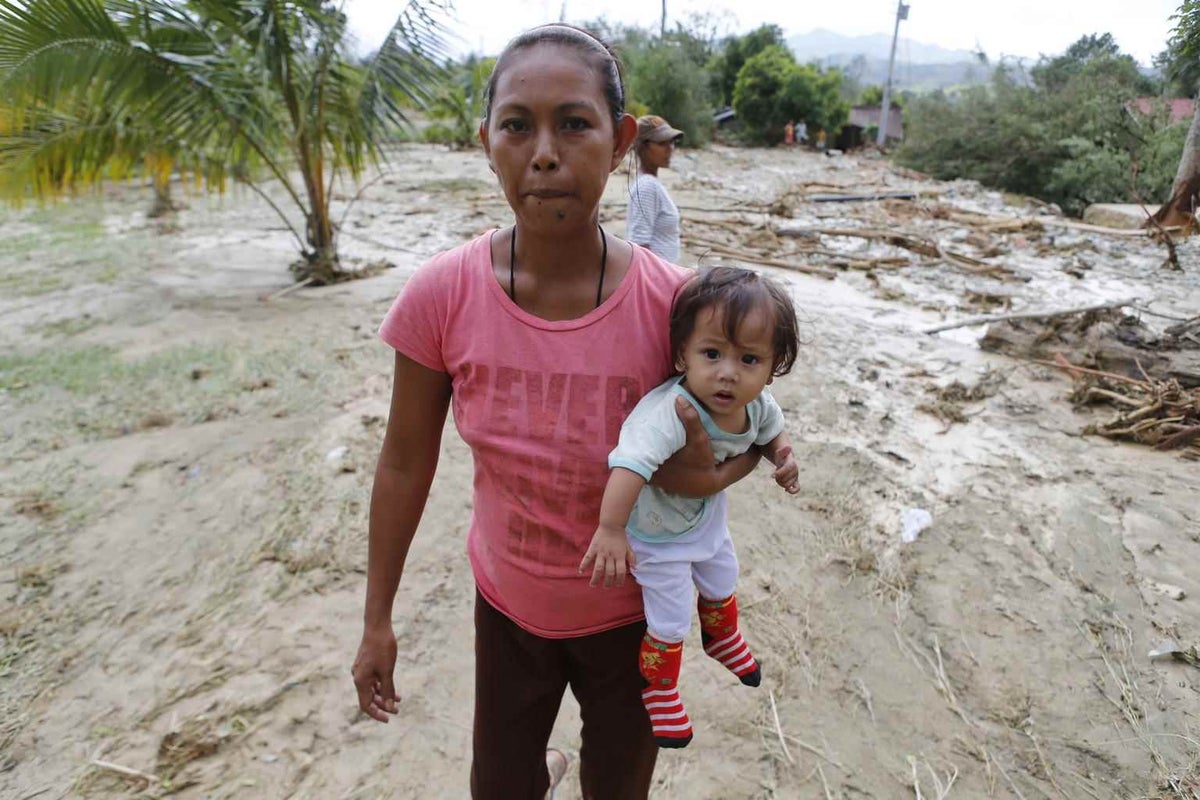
(667, 571)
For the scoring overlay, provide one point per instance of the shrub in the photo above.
(665, 81)
(773, 89)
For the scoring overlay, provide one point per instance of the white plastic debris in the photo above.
(912, 522)
(336, 454)
(1167, 647)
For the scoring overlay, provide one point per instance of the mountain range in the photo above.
(919, 66)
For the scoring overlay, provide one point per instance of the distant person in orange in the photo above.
(789, 134)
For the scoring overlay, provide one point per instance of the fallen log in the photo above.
(1076, 370)
(916, 244)
(1083, 226)
(861, 198)
(1185, 436)
(1066, 312)
(741, 255)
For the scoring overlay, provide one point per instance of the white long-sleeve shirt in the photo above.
(653, 220)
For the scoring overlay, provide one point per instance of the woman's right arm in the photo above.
(420, 399)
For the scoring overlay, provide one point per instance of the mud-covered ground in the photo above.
(185, 470)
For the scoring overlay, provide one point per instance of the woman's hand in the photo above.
(372, 671)
(692, 471)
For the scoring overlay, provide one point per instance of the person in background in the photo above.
(789, 134)
(653, 220)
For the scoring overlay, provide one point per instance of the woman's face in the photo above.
(658, 154)
(551, 139)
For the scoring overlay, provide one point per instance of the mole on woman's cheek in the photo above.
(562, 214)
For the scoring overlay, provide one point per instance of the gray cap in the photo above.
(653, 128)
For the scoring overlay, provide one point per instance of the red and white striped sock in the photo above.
(723, 641)
(659, 664)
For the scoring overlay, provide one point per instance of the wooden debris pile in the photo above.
(756, 233)
(1159, 413)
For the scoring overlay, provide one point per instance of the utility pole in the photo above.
(886, 111)
(662, 26)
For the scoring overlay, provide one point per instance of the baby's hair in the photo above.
(737, 293)
(585, 43)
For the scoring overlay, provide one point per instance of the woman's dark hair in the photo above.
(737, 293)
(587, 44)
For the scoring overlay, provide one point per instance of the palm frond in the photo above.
(408, 62)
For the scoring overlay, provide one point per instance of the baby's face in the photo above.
(725, 376)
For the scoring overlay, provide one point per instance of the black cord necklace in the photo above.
(512, 265)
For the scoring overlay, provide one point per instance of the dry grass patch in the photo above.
(37, 505)
(851, 541)
(1175, 755)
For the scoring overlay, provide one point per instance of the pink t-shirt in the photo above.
(541, 405)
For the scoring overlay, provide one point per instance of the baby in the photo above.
(732, 333)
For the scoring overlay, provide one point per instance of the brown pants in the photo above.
(519, 683)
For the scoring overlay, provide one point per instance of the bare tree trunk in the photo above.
(1185, 194)
(163, 204)
(320, 265)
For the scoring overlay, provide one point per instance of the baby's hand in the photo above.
(609, 552)
(787, 471)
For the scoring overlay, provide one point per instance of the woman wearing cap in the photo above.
(653, 220)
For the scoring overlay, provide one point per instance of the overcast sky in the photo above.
(1000, 27)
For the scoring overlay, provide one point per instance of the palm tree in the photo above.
(223, 89)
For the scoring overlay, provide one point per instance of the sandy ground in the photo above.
(185, 470)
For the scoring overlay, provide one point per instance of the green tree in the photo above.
(773, 89)
(1070, 142)
(873, 96)
(699, 36)
(668, 76)
(222, 88)
(1052, 72)
(738, 50)
(668, 83)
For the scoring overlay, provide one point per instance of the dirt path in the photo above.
(185, 472)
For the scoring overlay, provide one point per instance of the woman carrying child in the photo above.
(543, 337)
